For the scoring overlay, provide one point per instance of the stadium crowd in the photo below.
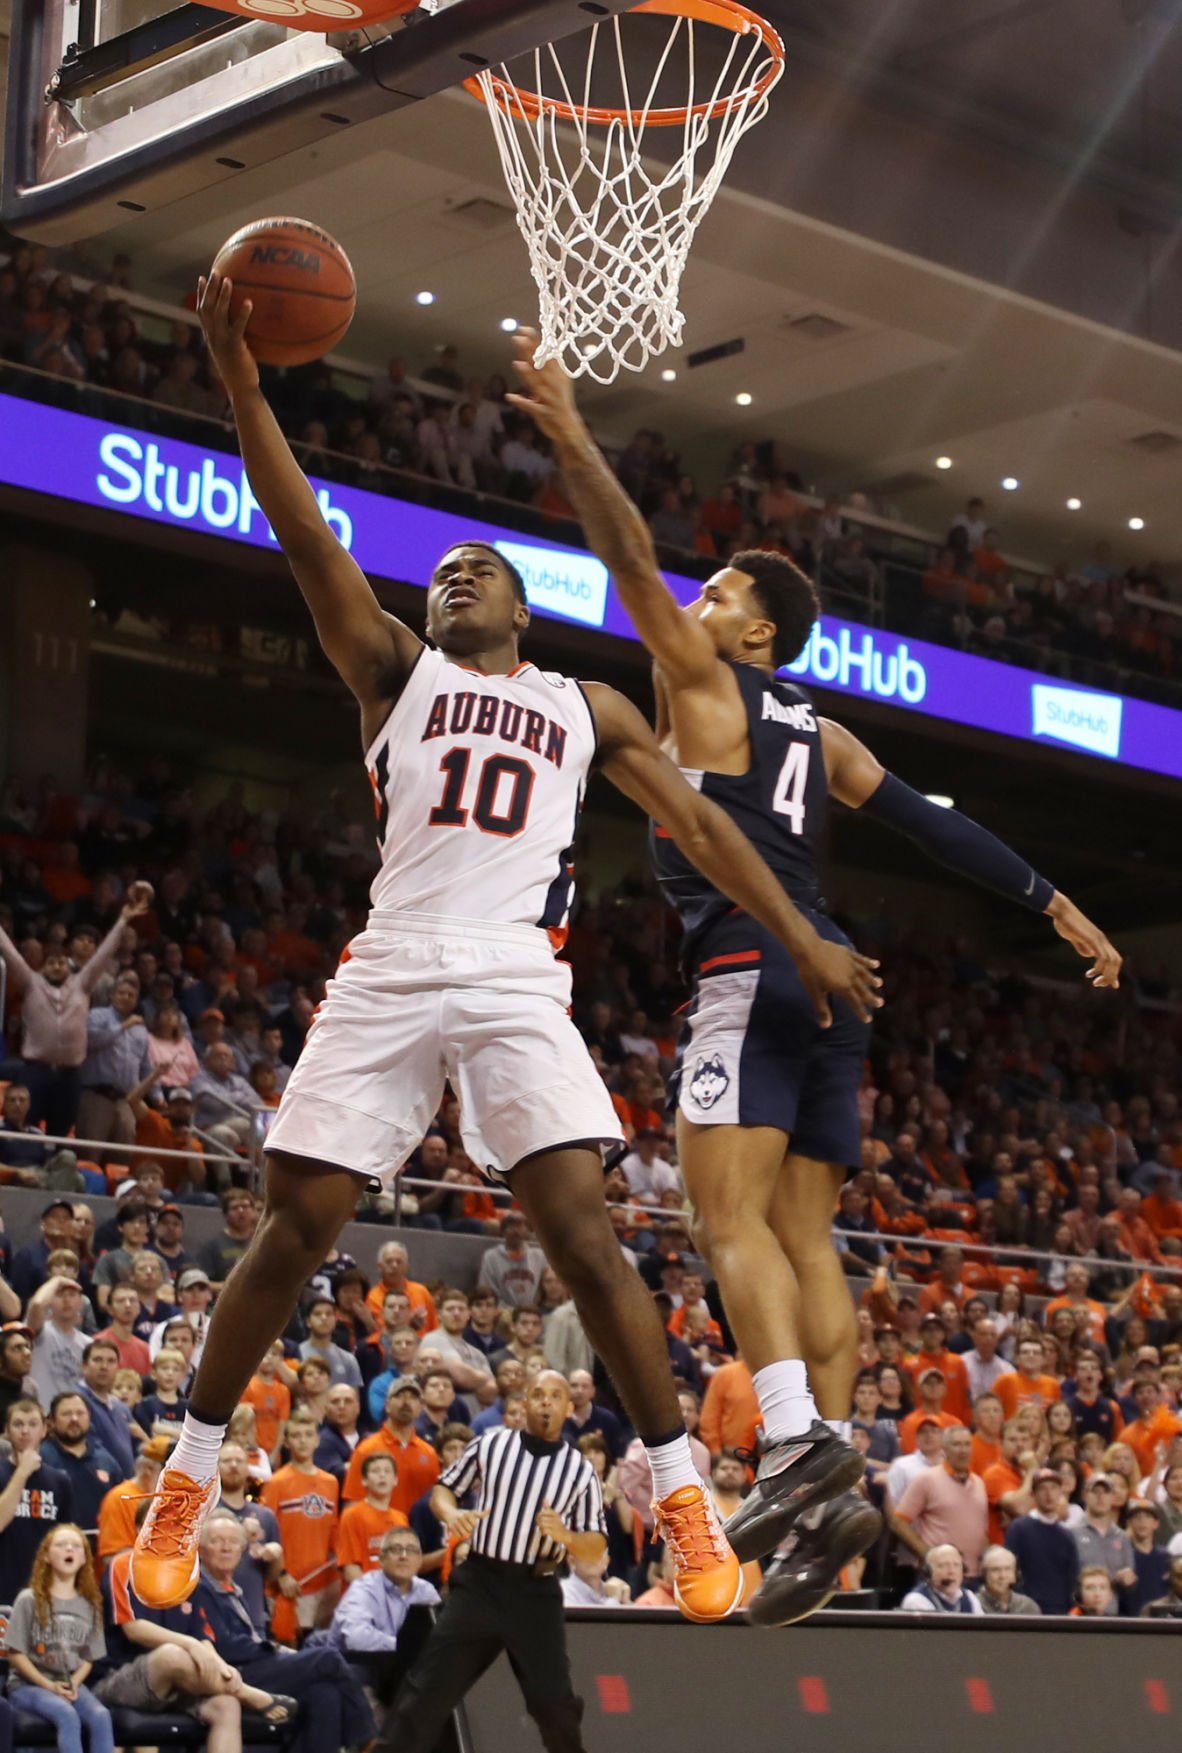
(1020, 1407)
(66, 316)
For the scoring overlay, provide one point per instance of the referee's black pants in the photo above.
(490, 1608)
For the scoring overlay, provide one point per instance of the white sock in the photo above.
(786, 1406)
(673, 1467)
(840, 1427)
(197, 1452)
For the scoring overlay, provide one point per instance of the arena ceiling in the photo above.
(913, 249)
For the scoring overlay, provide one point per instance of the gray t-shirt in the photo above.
(56, 1649)
(57, 1361)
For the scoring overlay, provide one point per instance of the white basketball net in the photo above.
(608, 236)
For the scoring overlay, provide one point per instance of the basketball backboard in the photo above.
(119, 107)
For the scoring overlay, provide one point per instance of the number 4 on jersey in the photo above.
(788, 799)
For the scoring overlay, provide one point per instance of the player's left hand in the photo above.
(832, 969)
(549, 1522)
(547, 393)
(1086, 940)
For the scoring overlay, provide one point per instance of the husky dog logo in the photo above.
(710, 1081)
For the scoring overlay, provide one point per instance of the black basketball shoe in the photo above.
(793, 1476)
(804, 1573)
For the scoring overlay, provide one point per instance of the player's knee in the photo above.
(585, 1254)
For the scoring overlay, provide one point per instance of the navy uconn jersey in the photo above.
(779, 803)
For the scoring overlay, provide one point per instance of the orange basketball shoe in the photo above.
(165, 1561)
(709, 1580)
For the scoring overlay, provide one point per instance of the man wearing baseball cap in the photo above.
(1099, 1540)
(1045, 1551)
(416, 1460)
(30, 1266)
(1150, 1561)
(934, 1353)
(173, 1130)
(932, 1387)
(194, 1295)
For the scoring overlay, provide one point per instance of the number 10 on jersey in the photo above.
(500, 797)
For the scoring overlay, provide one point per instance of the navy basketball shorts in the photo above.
(754, 1054)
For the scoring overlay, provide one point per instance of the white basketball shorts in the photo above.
(419, 999)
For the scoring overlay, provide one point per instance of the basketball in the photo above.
(300, 283)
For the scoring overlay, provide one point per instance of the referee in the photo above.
(538, 1499)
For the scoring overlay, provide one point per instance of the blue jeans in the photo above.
(69, 1719)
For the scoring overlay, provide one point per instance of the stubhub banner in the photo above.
(167, 481)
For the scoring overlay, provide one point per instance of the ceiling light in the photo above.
(943, 462)
(1136, 523)
(940, 800)
(1011, 483)
(1074, 504)
(744, 399)
(509, 324)
(668, 375)
(424, 298)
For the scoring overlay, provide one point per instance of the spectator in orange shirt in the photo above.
(1135, 1234)
(116, 1518)
(365, 1525)
(933, 1353)
(1028, 1385)
(1009, 1483)
(693, 1296)
(932, 1390)
(1076, 1282)
(269, 1397)
(173, 1130)
(730, 1410)
(303, 1498)
(988, 1419)
(393, 1261)
(1154, 1427)
(949, 1285)
(1161, 1210)
(416, 1460)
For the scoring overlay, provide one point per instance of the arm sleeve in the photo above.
(20, 1623)
(101, 1031)
(960, 843)
(586, 1512)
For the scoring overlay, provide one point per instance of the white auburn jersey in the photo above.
(478, 783)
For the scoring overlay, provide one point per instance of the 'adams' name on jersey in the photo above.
(478, 785)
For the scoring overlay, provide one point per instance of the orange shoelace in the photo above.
(694, 1533)
(169, 1529)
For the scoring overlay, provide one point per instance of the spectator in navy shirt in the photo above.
(1150, 1561)
(33, 1495)
(110, 1417)
(30, 1268)
(72, 1448)
(1046, 1554)
(483, 1309)
(851, 1221)
(340, 1432)
(262, 1556)
(586, 1416)
(1093, 1409)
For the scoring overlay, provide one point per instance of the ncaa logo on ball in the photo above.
(284, 255)
(710, 1081)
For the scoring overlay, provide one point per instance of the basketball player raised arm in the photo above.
(371, 650)
(374, 652)
(711, 722)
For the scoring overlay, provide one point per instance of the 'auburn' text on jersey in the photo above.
(478, 782)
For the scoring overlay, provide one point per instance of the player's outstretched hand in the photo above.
(1086, 940)
(547, 394)
(831, 969)
(225, 334)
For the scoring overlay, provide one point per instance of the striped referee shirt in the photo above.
(516, 1474)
